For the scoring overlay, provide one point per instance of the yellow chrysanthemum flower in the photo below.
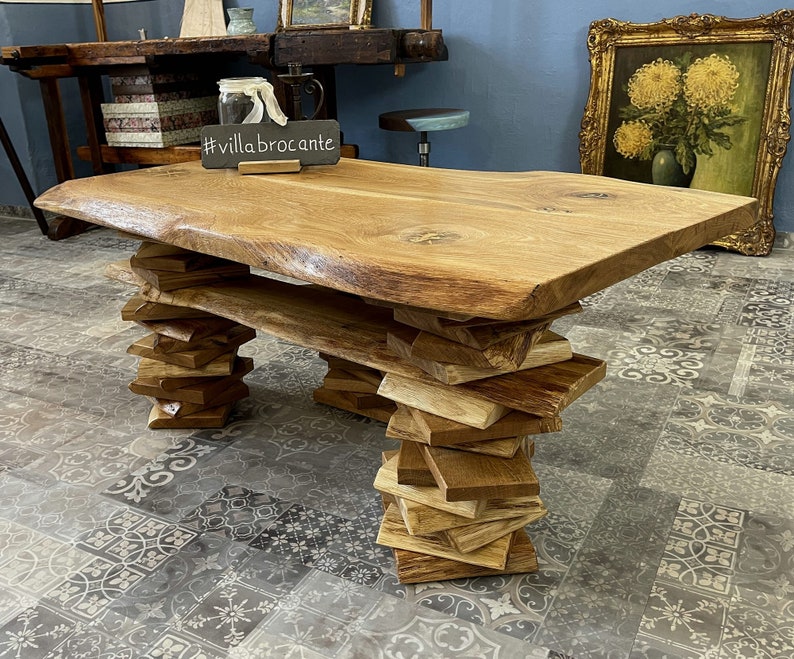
(655, 85)
(632, 138)
(710, 82)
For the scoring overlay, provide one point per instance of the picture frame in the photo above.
(732, 78)
(324, 14)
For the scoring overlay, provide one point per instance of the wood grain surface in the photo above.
(502, 245)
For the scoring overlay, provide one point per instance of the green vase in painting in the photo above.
(666, 170)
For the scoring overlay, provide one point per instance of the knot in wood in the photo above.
(430, 237)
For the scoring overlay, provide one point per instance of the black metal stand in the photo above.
(22, 178)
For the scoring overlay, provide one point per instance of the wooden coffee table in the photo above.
(431, 297)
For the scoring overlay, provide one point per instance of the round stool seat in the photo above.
(424, 120)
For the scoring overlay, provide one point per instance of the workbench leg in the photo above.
(61, 226)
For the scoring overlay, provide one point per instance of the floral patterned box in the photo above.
(158, 124)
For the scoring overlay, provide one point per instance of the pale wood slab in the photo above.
(411, 466)
(462, 476)
(138, 308)
(420, 568)
(145, 347)
(197, 390)
(563, 235)
(202, 18)
(448, 402)
(403, 426)
(438, 431)
(167, 280)
(167, 344)
(421, 519)
(340, 380)
(189, 329)
(386, 482)
(478, 333)
(177, 408)
(549, 349)
(473, 536)
(349, 403)
(392, 533)
(215, 417)
(507, 355)
(150, 368)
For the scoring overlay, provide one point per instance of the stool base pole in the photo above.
(424, 150)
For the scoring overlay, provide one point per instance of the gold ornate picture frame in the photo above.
(324, 14)
(711, 92)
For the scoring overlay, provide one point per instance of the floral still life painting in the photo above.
(677, 111)
(689, 117)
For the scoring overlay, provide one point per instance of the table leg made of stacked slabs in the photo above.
(460, 490)
(189, 367)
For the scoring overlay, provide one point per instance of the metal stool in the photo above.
(423, 121)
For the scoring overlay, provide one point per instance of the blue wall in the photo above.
(519, 66)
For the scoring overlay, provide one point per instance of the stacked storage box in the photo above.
(158, 109)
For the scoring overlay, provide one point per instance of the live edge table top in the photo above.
(501, 245)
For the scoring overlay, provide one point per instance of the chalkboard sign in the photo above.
(311, 142)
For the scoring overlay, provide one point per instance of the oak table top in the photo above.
(501, 245)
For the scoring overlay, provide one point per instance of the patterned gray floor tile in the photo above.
(236, 512)
(728, 485)
(35, 633)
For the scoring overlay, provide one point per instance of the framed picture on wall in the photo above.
(700, 101)
(315, 14)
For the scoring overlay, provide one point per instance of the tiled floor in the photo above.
(670, 489)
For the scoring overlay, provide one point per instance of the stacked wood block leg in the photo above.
(189, 367)
(353, 387)
(460, 490)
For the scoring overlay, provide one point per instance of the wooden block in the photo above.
(187, 330)
(478, 333)
(158, 257)
(169, 281)
(415, 425)
(386, 482)
(339, 380)
(234, 336)
(442, 400)
(222, 365)
(368, 401)
(151, 249)
(545, 390)
(144, 347)
(421, 519)
(343, 402)
(413, 567)
(138, 308)
(463, 476)
(214, 417)
(473, 536)
(411, 467)
(500, 448)
(549, 349)
(394, 534)
(344, 364)
(268, 166)
(199, 390)
(507, 355)
(178, 408)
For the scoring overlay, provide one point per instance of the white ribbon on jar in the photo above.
(258, 90)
